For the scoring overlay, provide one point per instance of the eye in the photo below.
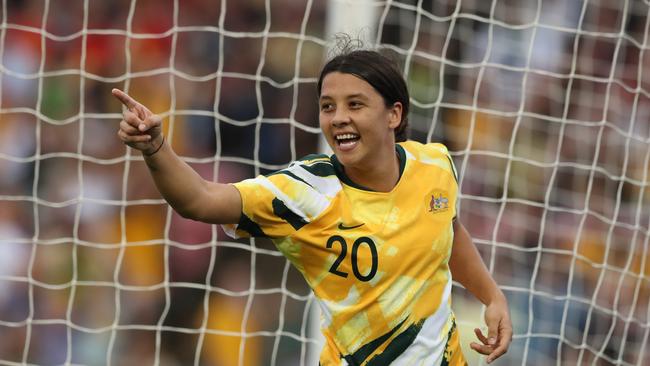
(354, 104)
(326, 107)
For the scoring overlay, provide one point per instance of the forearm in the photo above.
(468, 269)
(183, 188)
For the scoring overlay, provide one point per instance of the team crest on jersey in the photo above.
(439, 202)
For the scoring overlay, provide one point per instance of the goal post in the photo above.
(544, 106)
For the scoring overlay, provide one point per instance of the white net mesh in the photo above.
(544, 105)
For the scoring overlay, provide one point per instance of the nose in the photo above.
(341, 117)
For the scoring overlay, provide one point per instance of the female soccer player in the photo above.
(372, 228)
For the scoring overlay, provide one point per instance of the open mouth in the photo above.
(346, 140)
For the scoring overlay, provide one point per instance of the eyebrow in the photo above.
(351, 96)
(357, 95)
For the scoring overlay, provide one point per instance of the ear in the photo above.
(395, 115)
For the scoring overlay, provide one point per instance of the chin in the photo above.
(348, 159)
(355, 157)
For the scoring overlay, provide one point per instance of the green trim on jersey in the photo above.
(453, 167)
(282, 211)
(366, 350)
(251, 227)
(319, 168)
(397, 346)
(340, 171)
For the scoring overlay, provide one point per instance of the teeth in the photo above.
(346, 136)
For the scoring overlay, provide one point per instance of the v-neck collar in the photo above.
(340, 171)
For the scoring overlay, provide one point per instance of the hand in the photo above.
(499, 335)
(139, 128)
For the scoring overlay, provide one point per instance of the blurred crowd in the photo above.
(545, 106)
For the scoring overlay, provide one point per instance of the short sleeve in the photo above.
(262, 211)
(278, 205)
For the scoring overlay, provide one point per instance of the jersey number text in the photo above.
(355, 249)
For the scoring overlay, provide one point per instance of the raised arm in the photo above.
(183, 188)
(468, 268)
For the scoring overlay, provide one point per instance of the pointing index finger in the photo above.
(126, 99)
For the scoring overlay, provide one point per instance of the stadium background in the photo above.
(544, 105)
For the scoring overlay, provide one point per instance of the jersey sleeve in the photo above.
(277, 205)
(258, 218)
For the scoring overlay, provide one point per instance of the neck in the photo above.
(379, 177)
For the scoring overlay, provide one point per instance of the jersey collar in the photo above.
(340, 172)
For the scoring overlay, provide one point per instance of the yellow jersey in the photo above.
(377, 262)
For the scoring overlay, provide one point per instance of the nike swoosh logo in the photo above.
(343, 227)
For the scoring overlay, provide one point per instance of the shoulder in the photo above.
(319, 165)
(430, 154)
(312, 158)
(315, 173)
(431, 149)
(310, 167)
(292, 196)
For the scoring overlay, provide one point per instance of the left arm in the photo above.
(468, 268)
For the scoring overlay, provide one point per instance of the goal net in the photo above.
(544, 105)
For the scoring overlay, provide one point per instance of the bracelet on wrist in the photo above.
(157, 149)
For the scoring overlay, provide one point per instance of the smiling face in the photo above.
(355, 120)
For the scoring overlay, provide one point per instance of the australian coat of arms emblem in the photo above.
(439, 203)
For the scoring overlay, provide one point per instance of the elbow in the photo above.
(186, 214)
(188, 211)
(217, 204)
(193, 206)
